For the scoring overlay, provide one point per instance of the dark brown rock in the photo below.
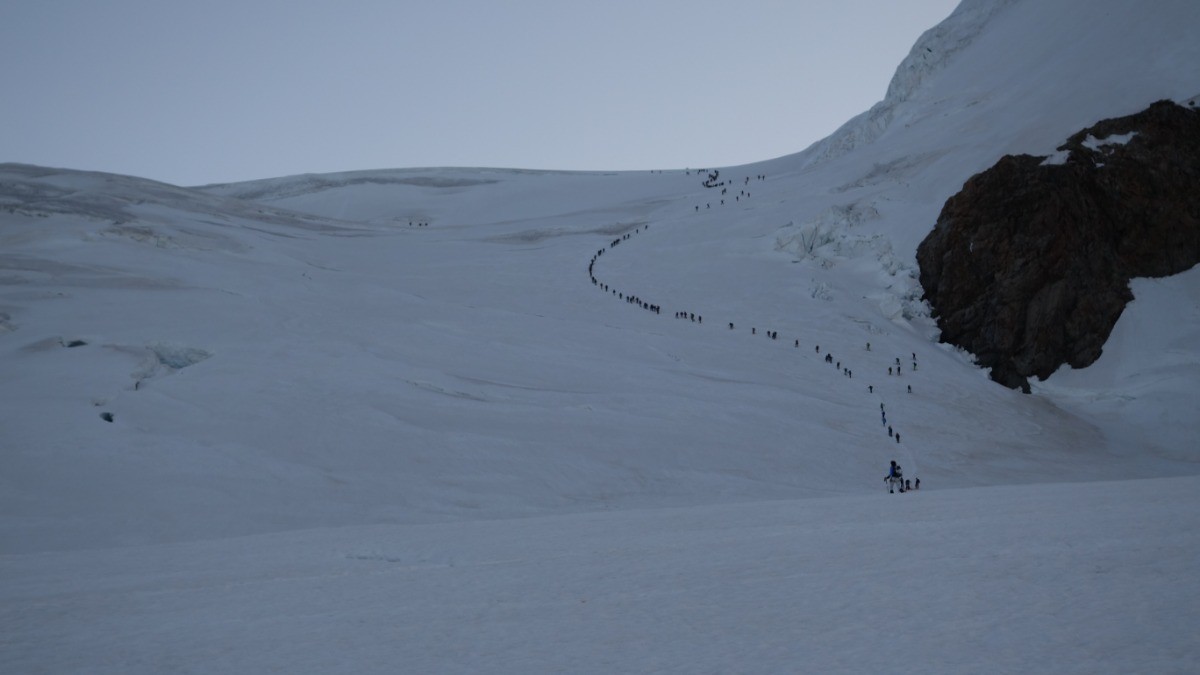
(1029, 264)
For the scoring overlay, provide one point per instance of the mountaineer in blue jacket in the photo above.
(895, 477)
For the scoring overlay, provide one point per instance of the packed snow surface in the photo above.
(491, 420)
(1082, 578)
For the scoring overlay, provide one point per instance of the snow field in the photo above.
(1080, 578)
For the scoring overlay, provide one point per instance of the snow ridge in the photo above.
(936, 48)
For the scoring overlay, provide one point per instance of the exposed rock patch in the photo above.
(1029, 265)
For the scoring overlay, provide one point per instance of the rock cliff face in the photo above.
(1028, 266)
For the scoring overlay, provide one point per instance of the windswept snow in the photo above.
(383, 421)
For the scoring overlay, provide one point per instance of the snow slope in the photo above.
(1085, 578)
(388, 418)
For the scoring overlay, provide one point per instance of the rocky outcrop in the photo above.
(1029, 265)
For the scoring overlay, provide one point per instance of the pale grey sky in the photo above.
(222, 90)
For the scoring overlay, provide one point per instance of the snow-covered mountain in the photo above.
(477, 381)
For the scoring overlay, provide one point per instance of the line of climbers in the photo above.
(631, 299)
(894, 369)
